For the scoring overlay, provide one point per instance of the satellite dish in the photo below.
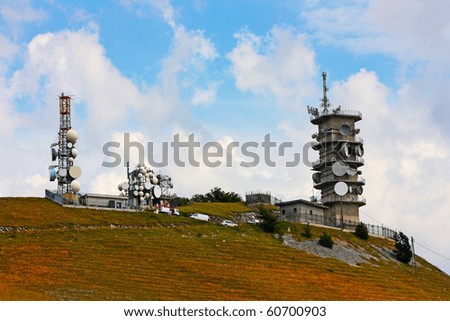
(339, 169)
(70, 159)
(62, 172)
(345, 150)
(357, 130)
(54, 154)
(147, 195)
(75, 186)
(141, 199)
(120, 187)
(72, 136)
(53, 145)
(352, 171)
(141, 188)
(156, 191)
(52, 173)
(74, 152)
(136, 187)
(341, 188)
(316, 178)
(154, 180)
(359, 150)
(69, 144)
(360, 190)
(135, 193)
(125, 185)
(75, 171)
(345, 129)
(147, 185)
(171, 184)
(141, 193)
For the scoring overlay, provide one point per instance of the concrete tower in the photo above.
(340, 156)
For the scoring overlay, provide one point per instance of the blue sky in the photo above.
(234, 71)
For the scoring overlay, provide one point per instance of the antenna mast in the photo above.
(325, 102)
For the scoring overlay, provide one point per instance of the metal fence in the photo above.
(348, 225)
(60, 199)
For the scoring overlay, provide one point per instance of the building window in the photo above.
(310, 212)
(295, 210)
(283, 212)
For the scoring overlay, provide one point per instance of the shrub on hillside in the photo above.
(326, 240)
(268, 219)
(307, 231)
(402, 250)
(361, 231)
(216, 194)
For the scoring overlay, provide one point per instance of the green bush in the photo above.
(402, 250)
(361, 231)
(326, 240)
(307, 231)
(268, 219)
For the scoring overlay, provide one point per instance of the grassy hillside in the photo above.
(57, 253)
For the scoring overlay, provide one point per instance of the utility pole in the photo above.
(413, 256)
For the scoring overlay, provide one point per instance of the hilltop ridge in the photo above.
(48, 252)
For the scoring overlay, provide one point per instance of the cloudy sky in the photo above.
(232, 72)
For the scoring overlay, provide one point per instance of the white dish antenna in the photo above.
(339, 169)
(75, 185)
(345, 150)
(351, 171)
(156, 191)
(360, 190)
(359, 150)
(316, 178)
(62, 172)
(341, 188)
(147, 185)
(125, 185)
(345, 129)
(74, 152)
(72, 136)
(75, 171)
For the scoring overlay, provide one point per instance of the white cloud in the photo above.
(280, 64)
(18, 12)
(406, 156)
(204, 96)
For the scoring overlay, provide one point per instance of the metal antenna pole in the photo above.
(413, 255)
(325, 103)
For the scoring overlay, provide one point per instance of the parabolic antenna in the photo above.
(120, 187)
(339, 169)
(52, 172)
(360, 190)
(147, 195)
(135, 193)
(75, 186)
(74, 152)
(359, 150)
(345, 150)
(54, 154)
(316, 178)
(147, 185)
(62, 172)
(351, 171)
(154, 180)
(125, 185)
(341, 188)
(72, 136)
(156, 191)
(75, 171)
(345, 129)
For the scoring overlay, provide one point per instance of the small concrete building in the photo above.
(103, 200)
(301, 211)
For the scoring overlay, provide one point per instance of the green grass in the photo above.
(222, 210)
(74, 254)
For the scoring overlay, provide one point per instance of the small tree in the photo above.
(402, 250)
(307, 231)
(361, 231)
(268, 219)
(326, 240)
